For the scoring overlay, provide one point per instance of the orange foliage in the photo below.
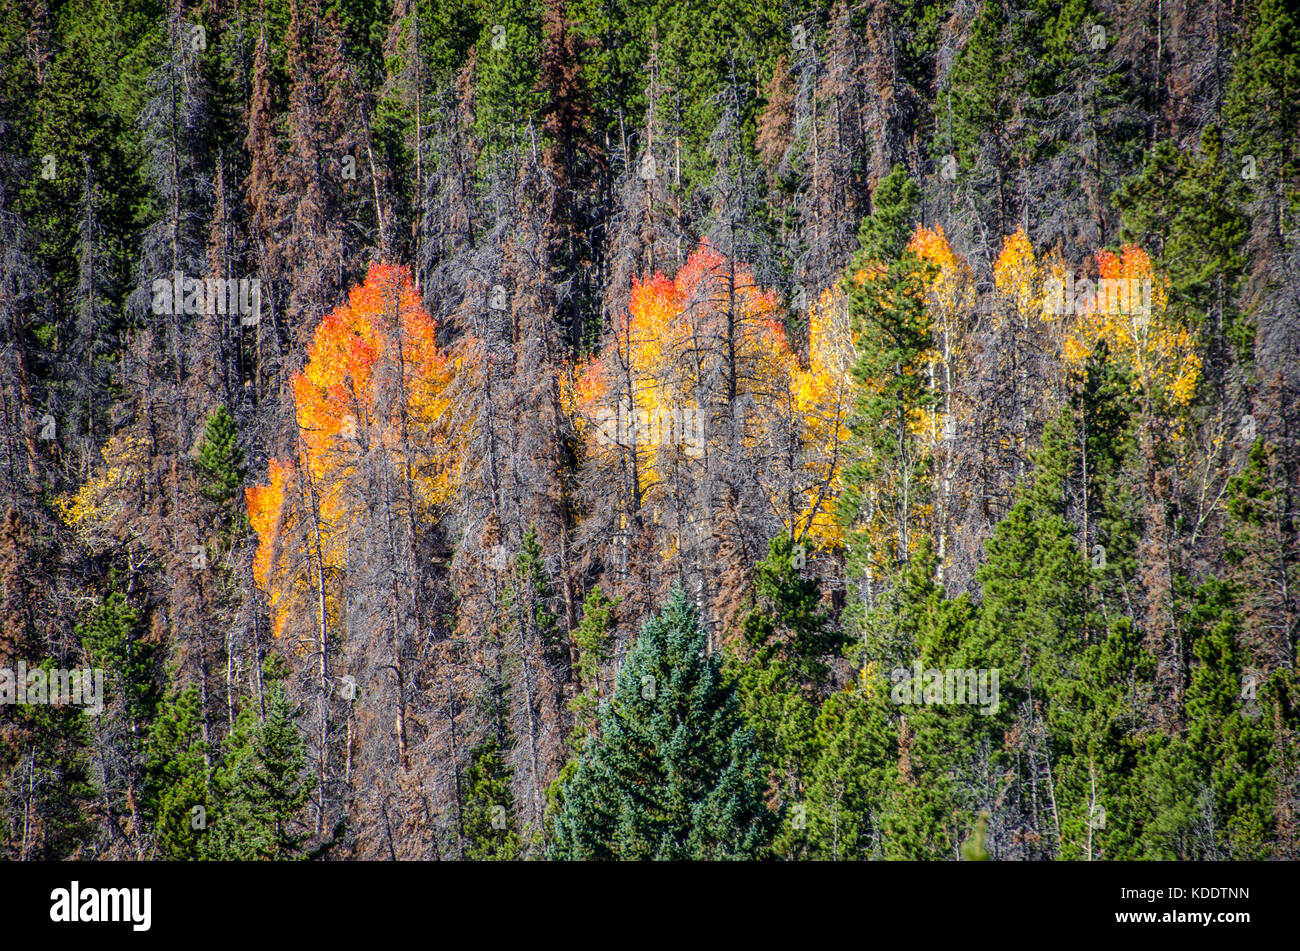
(642, 374)
(339, 393)
(265, 508)
(375, 379)
(654, 390)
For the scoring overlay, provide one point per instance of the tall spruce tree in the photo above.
(673, 773)
(886, 477)
(261, 787)
(178, 776)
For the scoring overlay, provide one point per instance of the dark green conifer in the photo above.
(673, 773)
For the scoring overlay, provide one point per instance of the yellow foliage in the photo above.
(1137, 329)
(950, 294)
(94, 507)
(822, 400)
(642, 398)
(1126, 309)
(1017, 274)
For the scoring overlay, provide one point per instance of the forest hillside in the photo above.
(625, 429)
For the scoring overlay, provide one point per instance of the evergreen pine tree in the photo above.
(260, 787)
(1227, 738)
(886, 474)
(936, 745)
(46, 811)
(1262, 111)
(109, 634)
(781, 670)
(853, 765)
(1100, 714)
(489, 806)
(594, 639)
(1210, 785)
(1189, 208)
(178, 776)
(673, 773)
(1263, 554)
(221, 461)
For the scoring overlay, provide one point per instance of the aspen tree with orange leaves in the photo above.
(344, 528)
(697, 399)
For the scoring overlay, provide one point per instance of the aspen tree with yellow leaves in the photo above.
(950, 299)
